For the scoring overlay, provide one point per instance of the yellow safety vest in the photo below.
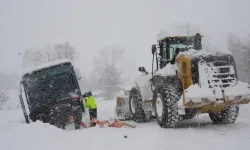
(90, 103)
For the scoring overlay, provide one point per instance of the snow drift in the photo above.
(196, 134)
(178, 29)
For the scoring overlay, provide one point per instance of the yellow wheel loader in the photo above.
(185, 81)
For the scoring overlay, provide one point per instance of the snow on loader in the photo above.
(187, 81)
(52, 94)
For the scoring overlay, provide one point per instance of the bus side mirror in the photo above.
(78, 73)
(153, 48)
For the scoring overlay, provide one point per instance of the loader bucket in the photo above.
(122, 106)
(209, 100)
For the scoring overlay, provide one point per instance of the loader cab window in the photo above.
(173, 49)
(171, 52)
(169, 46)
(164, 55)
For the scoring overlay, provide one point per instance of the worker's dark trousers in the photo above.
(93, 113)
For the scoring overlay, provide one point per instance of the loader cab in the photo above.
(170, 47)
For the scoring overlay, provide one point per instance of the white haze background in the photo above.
(129, 28)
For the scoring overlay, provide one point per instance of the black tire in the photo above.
(189, 114)
(57, 119)
(77, 116)
(227, 116)
(138, 115)
(59, 116)
(170, 94)
(40, 114)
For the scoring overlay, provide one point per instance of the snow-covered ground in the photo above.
(196, 134)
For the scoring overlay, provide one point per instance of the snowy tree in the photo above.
(233, 43)
(241, 52)
(111, 80)
(3, 98)
(64, 51)
(245, 51)
(33, 57)
(108, 70)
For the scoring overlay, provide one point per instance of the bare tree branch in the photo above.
(107, 68)
(32, 57)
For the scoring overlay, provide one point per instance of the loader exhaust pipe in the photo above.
(154, 53)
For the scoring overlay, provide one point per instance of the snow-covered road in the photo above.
(196, 134)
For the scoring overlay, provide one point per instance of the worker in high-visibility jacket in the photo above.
(90, 104)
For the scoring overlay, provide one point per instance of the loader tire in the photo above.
(135, 106)
(166, 97)
(190, 114)
(227, 116)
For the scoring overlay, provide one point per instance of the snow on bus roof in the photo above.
(46, 65)
(177, 30)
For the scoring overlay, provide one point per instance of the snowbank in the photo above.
(178, 29)
(198, 133)
(168, 70)
(46, 65)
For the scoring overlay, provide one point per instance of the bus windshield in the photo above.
(52, 83)
(173, 47)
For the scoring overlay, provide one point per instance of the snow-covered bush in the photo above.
(4, 97)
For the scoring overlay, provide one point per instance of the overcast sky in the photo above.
(90, 25)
